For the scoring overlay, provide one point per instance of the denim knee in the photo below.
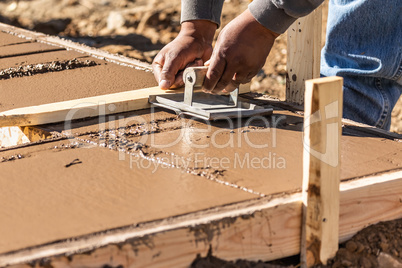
(363, 45)
(370, 100)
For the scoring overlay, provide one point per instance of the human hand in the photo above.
(192, 47)
(240, 52)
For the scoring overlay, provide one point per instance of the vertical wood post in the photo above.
(321, 170)
(303, 54)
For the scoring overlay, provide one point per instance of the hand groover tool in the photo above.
(203, 105)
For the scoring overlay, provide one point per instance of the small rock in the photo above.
(115, 20)
(13, 6)
(386, 260)
(384, 246)
(351, 246)
(365, 262)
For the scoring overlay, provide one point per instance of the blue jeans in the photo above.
(364, 46)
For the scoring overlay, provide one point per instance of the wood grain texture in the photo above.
(321, 170)
(79, 108)
(11, 136)
(303, 54)
(67, 111)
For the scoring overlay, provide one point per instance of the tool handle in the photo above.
(195, 75)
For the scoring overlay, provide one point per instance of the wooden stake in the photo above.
(303, 54)
(321, 170)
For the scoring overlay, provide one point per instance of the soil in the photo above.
(139, 29)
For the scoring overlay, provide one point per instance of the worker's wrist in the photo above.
(202, 30)
(251, 20)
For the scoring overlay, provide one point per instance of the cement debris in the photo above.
(40, 68)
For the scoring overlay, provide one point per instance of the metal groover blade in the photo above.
(203, 105)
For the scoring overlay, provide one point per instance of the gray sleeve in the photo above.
(201, 10)
(278, 15)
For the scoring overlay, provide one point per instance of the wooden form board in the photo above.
(257, 230)
(303, 54)
(82, 108)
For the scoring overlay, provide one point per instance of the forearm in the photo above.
(209, 10)
(275, 15)
(278, 15)
(202, 30)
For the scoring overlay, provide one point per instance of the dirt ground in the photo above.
(139, 29)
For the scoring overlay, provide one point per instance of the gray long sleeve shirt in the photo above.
(276, 15)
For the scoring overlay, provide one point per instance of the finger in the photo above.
(178, 82)
(157, 66)
(225, 79)
(206, 57)
(241, 77)
(196, 63)
(214, 74)
(231, 87)
(170, 68)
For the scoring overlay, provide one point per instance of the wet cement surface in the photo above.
(251, 154)
(48, 87)
(26, 49)
(55, 192)
(62, 55)
(47, 67)
(71, 84)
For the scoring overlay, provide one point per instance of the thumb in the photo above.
(168, 73)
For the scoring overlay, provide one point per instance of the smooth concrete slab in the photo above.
(46, 197)
(262, 155)
(71, 84)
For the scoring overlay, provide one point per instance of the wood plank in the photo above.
(12, 136)
(82, 108)
(263, 229)
(79, 108)
(321, 170)
(303, 54)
